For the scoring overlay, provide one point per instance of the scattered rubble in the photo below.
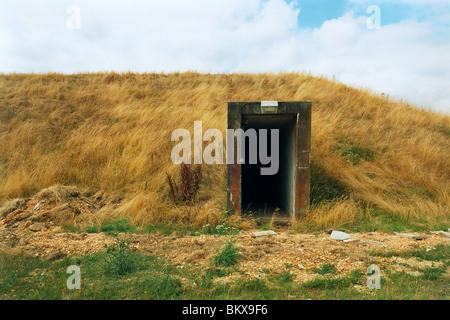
(51, 208)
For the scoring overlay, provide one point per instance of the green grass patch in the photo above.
(110, 227)
(323, 187)
(355, 277)
(250, 285)
(326, 268)
(116, 226)
(439, 253)
(23, 277)
(215, 272)
(399, 285)
(228, 256)
(371, 218)
(285, 277)
(445, 130)
(353, 152)
(433, 273)
(164, 287)
(120, 260)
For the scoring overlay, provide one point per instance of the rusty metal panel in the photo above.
(234, 170)
(303, 147)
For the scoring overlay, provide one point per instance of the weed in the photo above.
(285, 277)
(189, 184)
(265, 226)
(326, 268)
(228, 257)
(119, 259)
(224, 228)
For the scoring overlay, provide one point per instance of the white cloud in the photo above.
(407, 59)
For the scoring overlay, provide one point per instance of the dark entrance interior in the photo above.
(261, 195)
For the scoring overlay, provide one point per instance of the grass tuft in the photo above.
(228, 256)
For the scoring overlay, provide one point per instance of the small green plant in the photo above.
(228, 257)
(119, 259)
(285, 277)
(265, 226)
(326, 268)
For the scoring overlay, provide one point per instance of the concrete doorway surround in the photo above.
(286, 192)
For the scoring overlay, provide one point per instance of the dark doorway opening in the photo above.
(262, 195)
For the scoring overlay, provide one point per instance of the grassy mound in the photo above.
(372, 159)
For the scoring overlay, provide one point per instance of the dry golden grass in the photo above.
(112, 132)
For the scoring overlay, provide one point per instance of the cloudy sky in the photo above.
(399, 47)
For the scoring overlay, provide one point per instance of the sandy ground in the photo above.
(274, 254)
(33, 226)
